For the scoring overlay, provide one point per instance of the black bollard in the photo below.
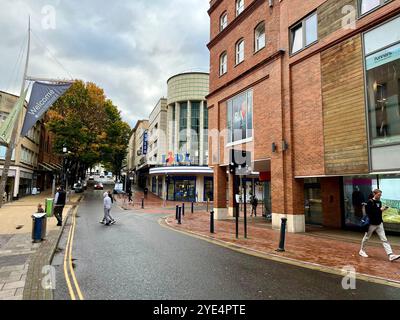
(177, 212)
(183, 209)
(282, 240)
(142, 203)
(192, 207)
(180, 215)
(212, 222)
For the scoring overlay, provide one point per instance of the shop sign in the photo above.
(172, 158)
(145, 142)
(383, 57)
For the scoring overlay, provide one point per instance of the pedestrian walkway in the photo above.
(325, 250)
(16, 247)
(152, 201)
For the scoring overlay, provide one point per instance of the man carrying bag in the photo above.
(59, 204)
(374, 211)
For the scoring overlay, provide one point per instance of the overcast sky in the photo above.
(128, 47)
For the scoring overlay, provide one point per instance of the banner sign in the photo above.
(8, 125)
(145, 142)
(43, 96)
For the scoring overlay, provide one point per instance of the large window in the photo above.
(358, 189)
(240, 117)
(195, 133)
(205, 133)
(183, 127)
(239, 51)
(223, 21)
(239, 7)
(369, 5)
(223, 64)
(304, 33)
(382, 48)
(259, 37)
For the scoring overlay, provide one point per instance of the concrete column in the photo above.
(201, 138)
(220, 209)
(164, 188)
(231, 195)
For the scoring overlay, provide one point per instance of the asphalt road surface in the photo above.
(138, 259)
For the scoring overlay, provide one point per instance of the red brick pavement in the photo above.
(331, 253)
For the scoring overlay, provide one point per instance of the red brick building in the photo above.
(312, 90)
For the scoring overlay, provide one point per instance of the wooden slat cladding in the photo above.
(330, 16)
(345, 134)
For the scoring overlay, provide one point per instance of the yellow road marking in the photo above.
(70, 259)
(67, 279)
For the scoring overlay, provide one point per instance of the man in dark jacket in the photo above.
(374, 211)
(59, 204)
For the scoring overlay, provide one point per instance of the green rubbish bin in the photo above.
(49, 207)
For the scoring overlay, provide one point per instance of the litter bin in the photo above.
(39, 224)
(49, 207)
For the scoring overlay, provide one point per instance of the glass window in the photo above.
(223, 64)
(297, 38)
(383, 92)
(183, 127)
(239, 51)
(383, 36)
(369, 5)
(195, 133)
(311, 29)
(239, 7)
(240, 117)
(304, 34)
(223, 21)
(259, 36)
(358, 190)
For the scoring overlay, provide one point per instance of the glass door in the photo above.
(313, 201)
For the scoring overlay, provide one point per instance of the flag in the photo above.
(43, 96)
(7, 126)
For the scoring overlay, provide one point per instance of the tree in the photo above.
(90, 127)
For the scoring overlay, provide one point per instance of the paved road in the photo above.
(139, 259)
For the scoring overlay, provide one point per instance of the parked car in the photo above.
(78, 187)
(101, 177)
(91, 177)
(98, 186)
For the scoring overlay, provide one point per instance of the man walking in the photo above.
(59, 204)
(108, 201)
(374, 211)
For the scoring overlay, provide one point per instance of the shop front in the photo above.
(182, 184)
(358, 189)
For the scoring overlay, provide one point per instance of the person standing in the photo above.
(374, 210)
(59, 204)
(254, 203)
(130, 195)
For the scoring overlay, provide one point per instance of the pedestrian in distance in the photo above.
(254, 204)
(374, 210)
(59, 204)
(130, 195)
(107, 204)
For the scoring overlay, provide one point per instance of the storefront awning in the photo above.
(181, 170)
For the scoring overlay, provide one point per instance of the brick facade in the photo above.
(296, 99)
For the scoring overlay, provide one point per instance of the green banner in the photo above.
(8, 125)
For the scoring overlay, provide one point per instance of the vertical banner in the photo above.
(145, 142)
(8, 125)
(43, 96)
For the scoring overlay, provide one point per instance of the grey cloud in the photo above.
(130, 48)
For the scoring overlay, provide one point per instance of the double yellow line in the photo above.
(68, 268)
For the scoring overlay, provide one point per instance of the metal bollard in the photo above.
(212, 222)
(142, 203)
(180, 215)
(192, 207)
(177, 212)
(282, 240)
(183, 209)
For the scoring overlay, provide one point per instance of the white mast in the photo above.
(11, 146)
